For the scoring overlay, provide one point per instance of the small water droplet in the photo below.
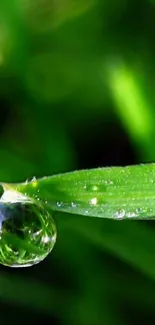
(27, 231)
(94, 187)
(90, 187)
(30, 179)
(108, 182)
(59, 204)
(93, 201)
(120, 214)
(73, 205)
(138, 210)
(131, 214)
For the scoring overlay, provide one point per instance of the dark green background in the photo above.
(60, 65)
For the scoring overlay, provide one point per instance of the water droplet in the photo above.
(59, 204)
(120, 214)
(93, 201)
(33, 181)
(30, 179)
(138, 210)
(90, 187)
(131, 214)
(73, 205)
(27, 231)
(94, 188)
(108, 182)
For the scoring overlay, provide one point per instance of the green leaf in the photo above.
(115, 193)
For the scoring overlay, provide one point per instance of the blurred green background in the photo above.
(77, 90)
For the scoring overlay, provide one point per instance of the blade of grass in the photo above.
(133, 107)
(115, 193)
(132, 242)
(127, 94)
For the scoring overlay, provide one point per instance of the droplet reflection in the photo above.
(27, 231)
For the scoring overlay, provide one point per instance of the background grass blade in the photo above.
(125, 240)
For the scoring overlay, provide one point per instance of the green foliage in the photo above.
(77, 91)
(115, 193)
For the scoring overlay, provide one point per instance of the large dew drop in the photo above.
(27, 230)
